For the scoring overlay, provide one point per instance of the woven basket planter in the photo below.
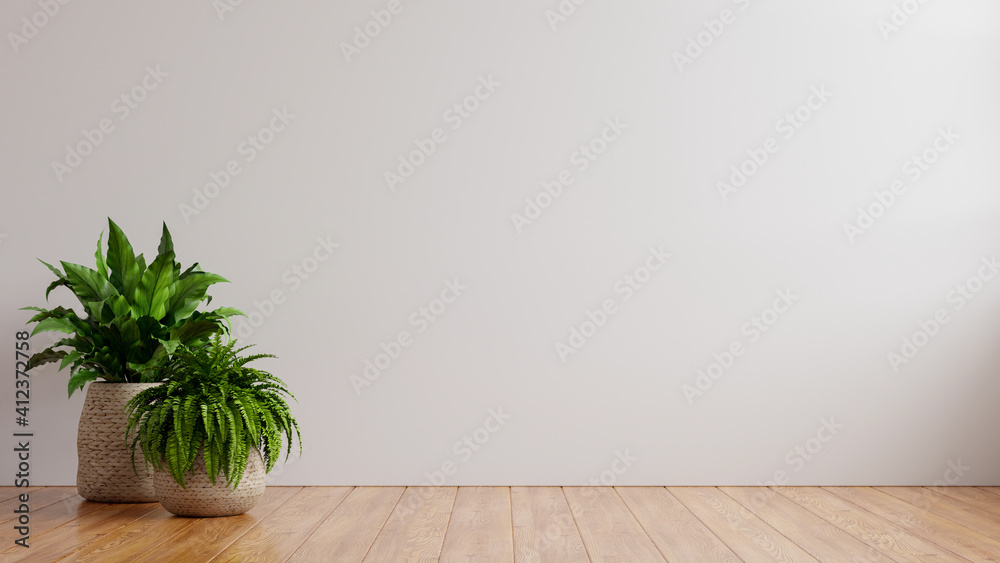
(203, 499)
(104, 472)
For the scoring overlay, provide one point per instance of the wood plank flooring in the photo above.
(523, 524)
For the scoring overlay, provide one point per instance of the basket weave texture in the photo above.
(203, 499)
(104, 471)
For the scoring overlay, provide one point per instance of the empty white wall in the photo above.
(616, 409)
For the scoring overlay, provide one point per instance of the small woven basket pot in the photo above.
(203, 499)
(104, 471)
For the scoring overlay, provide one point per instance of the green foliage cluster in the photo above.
(135, 316)
(211, 401)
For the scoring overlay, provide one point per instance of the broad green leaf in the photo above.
(195, 330)
(102, 266)
(69, 359)
(156, 287)
(58, 283)
(125, 269)
(130, 339)
(79, 342)
(169, 345)
(46, 356)
(84, 327)
(58, 312)
(110, 356)
(87, 284)
(166, 243)
(192, 269)
(54, 324)
(119, 305)
(148, 325)
(99, 312)
(60, 279)
(226, 312)
(53, 269)
(80, 378)
(147, 349)
(189, 292)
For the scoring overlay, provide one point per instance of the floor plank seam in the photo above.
(318, 524)
(769, 525)
(86, 544)
(919, 510)
(223, 549)
(960, 508)
(638, 523)
(576, 524)
(245, 532)
(861, 508)
(705, 524)
(845, 531)
(447, 524)
(834, 523)
(382, 527)
(510, 514)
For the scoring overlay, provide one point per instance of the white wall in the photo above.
(621, 395)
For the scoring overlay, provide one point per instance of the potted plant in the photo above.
(212, 416)
(133, 316)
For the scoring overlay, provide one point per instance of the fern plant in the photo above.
(211, 401)
(133, 317)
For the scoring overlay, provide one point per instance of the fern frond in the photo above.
(213, 403)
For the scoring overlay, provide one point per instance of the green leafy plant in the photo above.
(211, 401)
(135, 315)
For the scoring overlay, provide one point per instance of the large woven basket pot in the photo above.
(104, 472)
(203, 499)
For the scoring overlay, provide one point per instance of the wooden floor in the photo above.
(498, 524)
